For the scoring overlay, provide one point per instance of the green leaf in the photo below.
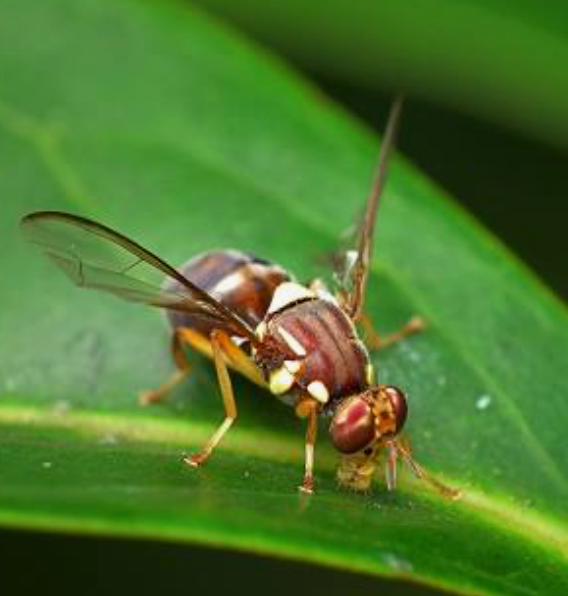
(503, 60)
(162, 124)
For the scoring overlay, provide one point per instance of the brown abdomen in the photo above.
(240, 281)
(330, 350)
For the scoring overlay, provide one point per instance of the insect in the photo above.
(250, 315)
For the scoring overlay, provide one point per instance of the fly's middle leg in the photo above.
(221, 344)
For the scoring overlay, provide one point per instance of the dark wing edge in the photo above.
(95, 256)
(353, 271)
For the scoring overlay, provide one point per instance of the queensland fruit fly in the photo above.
(252, 316)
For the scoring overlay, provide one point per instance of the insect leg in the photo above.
(377, 342)
(308, 408)
(390, 470)
(221, 345)
(182, 370)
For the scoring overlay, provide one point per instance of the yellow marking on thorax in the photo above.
(238, 360)
(281, 380)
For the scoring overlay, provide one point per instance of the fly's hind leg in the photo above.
(182, 370)
(377, 342)
(221, 345)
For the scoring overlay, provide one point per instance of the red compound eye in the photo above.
(353, 426)
(397, 400)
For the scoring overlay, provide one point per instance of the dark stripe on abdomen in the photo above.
(334, 354)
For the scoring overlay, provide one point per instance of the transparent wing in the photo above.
(352, 264)
(94, 256)
(343, 258)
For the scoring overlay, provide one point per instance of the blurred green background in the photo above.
(488, 82)
(496, 144)
(517, 186)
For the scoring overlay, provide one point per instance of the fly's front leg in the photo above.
(182, 370)
(308, 408)
(378, 342)
(221, 344)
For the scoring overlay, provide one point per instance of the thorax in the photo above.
(242, 282)
(314, 347)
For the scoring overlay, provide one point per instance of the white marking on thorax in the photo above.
(292, 366)
(238, 341)
(325, 294)
(286, 293)
(281, 380)
(261, 330)
(292, 342)
(229, 283)
(318, 390)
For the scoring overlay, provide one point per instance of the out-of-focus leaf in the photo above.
(503, 60)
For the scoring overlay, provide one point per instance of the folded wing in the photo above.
(95, 256)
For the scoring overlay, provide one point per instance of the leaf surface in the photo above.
(164, 125)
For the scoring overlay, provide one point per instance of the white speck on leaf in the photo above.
(483, 402)
(397, 563)
(46, 465)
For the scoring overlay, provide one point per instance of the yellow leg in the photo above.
(308, 408)
(182, 370)
(220, 345)
(376, 342)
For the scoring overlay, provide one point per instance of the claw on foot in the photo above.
(307, 487)
(195, 460)
(146, 398)
(416, 324)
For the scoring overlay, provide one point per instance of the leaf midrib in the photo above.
(544, 531)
